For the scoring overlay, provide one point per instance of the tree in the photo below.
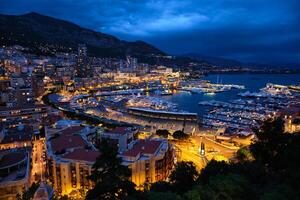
(212, 169)
(224, 187)
(244, 154)
(183, 177)
(267, 169)
(163, 195)
(180, 135)
(162, 133)
(271, 141)
(28, 194)
(110, 177)
(161, 186)
(193, 194)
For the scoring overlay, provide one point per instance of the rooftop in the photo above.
(67, 142)
(15, 135)
(143, 147)
(71, 130)
(10, 159)
(119, 130)
(26, 106)
(82, 155)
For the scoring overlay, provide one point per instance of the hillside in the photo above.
(46, 35)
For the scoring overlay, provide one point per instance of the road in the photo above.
(171, 125)
(189, 151)
(214, 146)
(38, 163)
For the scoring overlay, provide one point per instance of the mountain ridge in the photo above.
(33, 29)
(220, 61)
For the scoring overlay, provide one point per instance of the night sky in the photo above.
(263, 31)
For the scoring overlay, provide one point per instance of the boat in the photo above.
(294, 88)
(274, 89)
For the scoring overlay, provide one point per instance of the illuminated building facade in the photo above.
(149, 160)
(14, 172)
(83, 68)
(27, 114)
(70, 160)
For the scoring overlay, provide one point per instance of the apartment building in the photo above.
(150, 160)
(70, 157)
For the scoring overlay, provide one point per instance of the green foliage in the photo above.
(65, 197)
(244, 154)
(267, 170)
(110, 177)
(28, 194)
(161, 186)
(183, 177)
(180, 135)
(162, 133)
(227, 186)
(271, 141)
(163, 195)
(193, 194)
(212, 169)
(278, 192)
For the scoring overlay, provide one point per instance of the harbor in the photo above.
(239, 110)
(156, 104)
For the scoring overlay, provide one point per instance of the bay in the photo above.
(252, 82)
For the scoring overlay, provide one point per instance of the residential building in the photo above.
(38, 87)
(17, 137)
(70, 157)
(83, 67)
(120, 136)
(14, 172)
(149, 160)
(25, 114)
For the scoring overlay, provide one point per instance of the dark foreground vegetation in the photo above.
(269, 169)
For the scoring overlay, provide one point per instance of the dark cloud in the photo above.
(250, 30)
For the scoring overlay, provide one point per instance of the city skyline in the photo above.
(249, 31)
(94, 115)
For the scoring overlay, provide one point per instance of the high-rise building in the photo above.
(37, 84)
(83, 68)
(131, 63)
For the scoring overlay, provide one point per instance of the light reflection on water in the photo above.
(252, 82)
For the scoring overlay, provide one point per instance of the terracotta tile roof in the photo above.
(16, 138)
(143, 147)
(82, 154)
(71, 130)
(67, 142)
(11, 158)
(119, 130)
(15, 135)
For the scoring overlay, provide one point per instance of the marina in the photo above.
(241, 109)
(218, 106)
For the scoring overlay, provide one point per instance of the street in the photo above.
(189, 151)
(38, 162)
